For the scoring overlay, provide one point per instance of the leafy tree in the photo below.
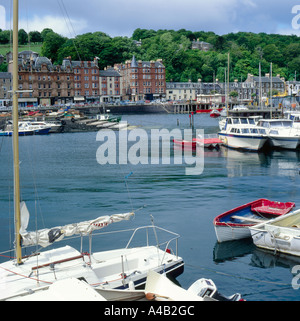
(35, 36)
(51, 45)
(4, 37)
(45, 32)
(23, 37)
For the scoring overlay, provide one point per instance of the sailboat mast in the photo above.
(16, 134)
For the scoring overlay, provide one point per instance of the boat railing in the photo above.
(164, 245)
(159, 245)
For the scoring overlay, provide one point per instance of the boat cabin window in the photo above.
(262, 131)
(254, 131)
(245, 130)
(229, 121)
(244, 121)
(235, 130)
(236, 121)
(251, 121)
(287, 123)
(273, 132)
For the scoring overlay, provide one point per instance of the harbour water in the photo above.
(62, 182)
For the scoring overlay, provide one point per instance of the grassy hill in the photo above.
(4, 49)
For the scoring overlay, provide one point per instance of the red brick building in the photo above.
(86, 80)
(142, 80)
(50, 84)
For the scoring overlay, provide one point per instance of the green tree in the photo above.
(23, 37)
(51, 45)
(35, 36)
(4, 37)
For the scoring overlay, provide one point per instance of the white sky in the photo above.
(121, 18)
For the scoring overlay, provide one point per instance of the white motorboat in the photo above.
(23, 130)
(279, 235)
(39, 128)
(55, 126)
(281, 133)
(115, 268)
(26, 128)
(243, 133)
(294, 116)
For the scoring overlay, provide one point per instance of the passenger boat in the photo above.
(234, 224)
(281, 132)
(279, 235)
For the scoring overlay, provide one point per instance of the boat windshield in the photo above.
(280, 123)
(236, 120)
(244, 121)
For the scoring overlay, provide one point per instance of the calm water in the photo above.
(62, 182)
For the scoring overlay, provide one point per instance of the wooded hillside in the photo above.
(174, 47)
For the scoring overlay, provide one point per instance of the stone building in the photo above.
(110, 85)
(5, 88)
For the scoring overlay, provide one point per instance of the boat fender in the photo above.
(54, 234)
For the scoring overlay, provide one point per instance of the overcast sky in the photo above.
(122, 17)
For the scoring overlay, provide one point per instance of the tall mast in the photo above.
(228, 63)
(16, 134)
(271, 95)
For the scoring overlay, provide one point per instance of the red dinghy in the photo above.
(234, 224)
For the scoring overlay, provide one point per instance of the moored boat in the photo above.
(215, 113)
(281, 133)
(234, 224)
(279, 235)
(206, 142)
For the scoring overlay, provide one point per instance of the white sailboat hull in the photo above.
(115, 269)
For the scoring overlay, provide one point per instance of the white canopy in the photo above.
(46, 237)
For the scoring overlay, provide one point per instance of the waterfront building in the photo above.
(86, 80)
(255, 86)
(142, 80)
(293, 88)
(110, 85)
(5, 85)
(44, 83)
(192, 91)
